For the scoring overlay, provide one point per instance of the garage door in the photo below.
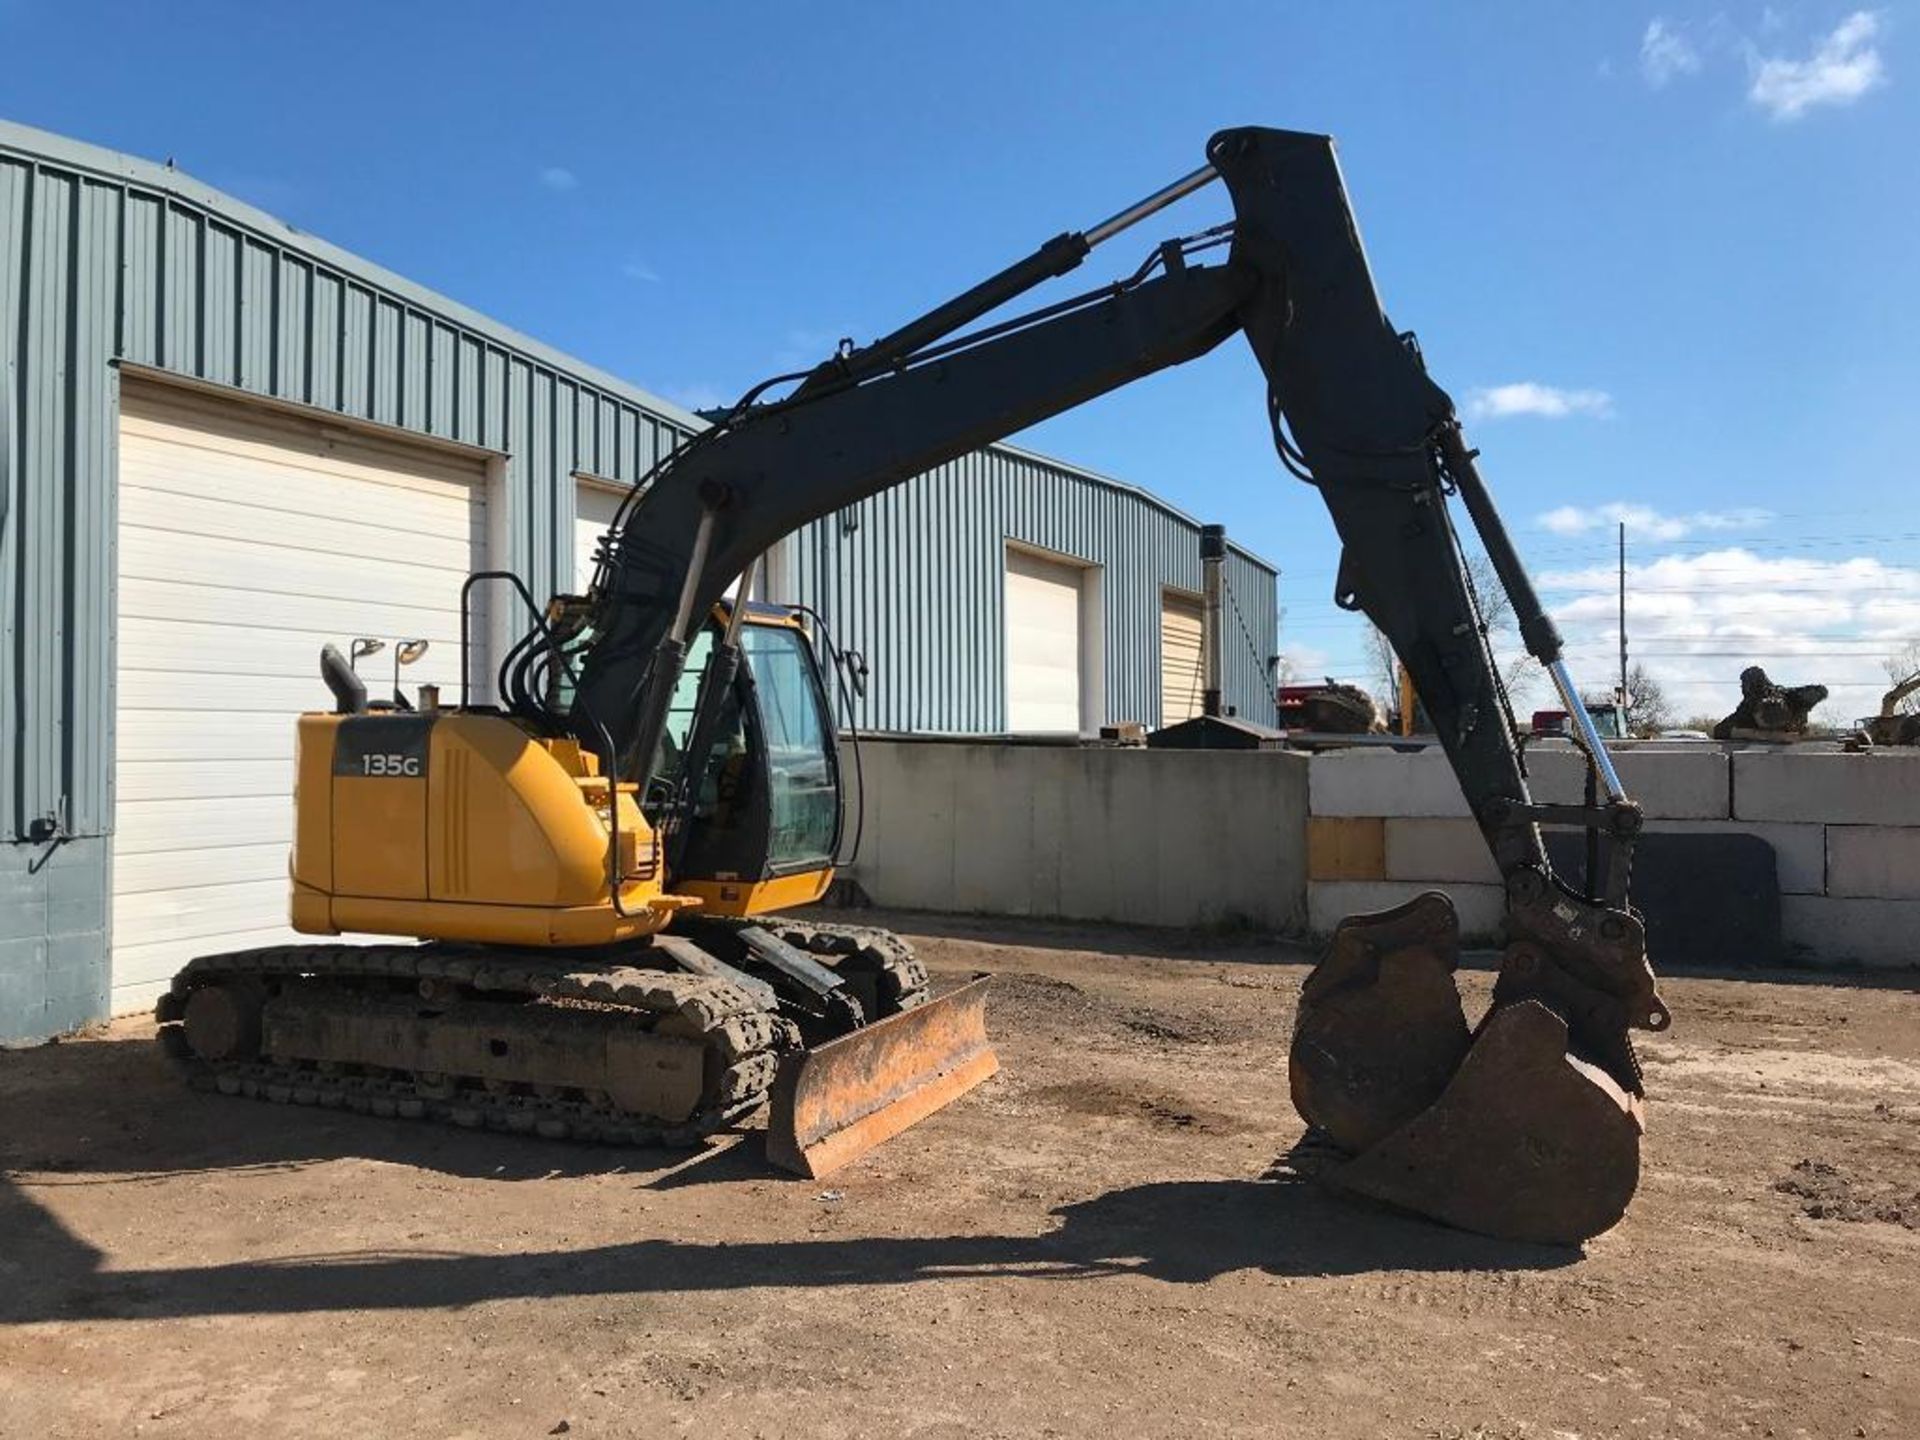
(247, 540)
(593, 508)
(1181, 678)
(1043, 644)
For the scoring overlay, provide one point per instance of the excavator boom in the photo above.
(1356, 414)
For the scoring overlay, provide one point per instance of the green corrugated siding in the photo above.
(913, 578)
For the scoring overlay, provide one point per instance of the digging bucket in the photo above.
(1504, 1131)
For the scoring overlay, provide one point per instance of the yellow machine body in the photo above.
(456, 826)
(468, 825)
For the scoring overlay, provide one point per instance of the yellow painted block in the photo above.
(1343, 847)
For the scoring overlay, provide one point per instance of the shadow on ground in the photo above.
(114, 1114)
(1179, 1232)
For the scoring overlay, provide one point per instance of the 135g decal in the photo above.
(383, 763)
(383, 747)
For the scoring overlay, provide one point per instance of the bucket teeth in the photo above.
(1504, 1132)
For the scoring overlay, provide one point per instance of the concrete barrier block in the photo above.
(1140, 837)
(1881, 788)
(1438, 852)
(1873, 861)
(1800, 851)
(1252, 848)
(1482, 908)
(1385, 782)
(907, 829)
(992, 818)
(1669, 783)
(1840, 930)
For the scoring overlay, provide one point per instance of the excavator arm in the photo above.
(1526, 1126)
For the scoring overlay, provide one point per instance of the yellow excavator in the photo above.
(593, 869)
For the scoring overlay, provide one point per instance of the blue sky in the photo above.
(1664, 257)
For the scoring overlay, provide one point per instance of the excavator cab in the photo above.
(764, 818)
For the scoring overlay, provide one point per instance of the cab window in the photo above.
(804, 802)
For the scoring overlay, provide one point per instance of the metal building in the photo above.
(1007, 591)
(223, 442)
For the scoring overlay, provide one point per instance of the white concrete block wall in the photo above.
(1799, 851)
(1447, 851)
(1845, 831)
(1877, 862)
(1385, 782)
(1832, 930)
(1174, 838)
(1827, 786)
(1189, 838)
(1671, 783)
(1438, 852)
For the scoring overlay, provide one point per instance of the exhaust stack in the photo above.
(1213, 560)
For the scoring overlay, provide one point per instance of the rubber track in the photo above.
(903, 979)
(747, 1039)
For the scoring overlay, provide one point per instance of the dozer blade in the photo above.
(835, 1102)
(1526, 1143)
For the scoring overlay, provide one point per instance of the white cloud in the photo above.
(1843, 67)
(1301, 663)
(558, 177)
(1645, 520)
(1528, 397)
(1698, 620)
(640, 270)
(1666, 54)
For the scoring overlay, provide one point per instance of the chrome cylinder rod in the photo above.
(696, 571)
(742, 596)
(1590, 740)
(1159, 200)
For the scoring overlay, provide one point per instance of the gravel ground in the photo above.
(1094, 1243)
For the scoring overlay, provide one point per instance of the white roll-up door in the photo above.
(247, 540)
(593, 511)
(594, 506)
(1182, 624)
(1043, 644)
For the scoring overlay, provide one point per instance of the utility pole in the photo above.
(1623, 619)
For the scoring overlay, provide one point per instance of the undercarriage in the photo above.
(654, 1043)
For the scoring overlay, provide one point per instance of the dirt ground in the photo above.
(1094, 1243)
